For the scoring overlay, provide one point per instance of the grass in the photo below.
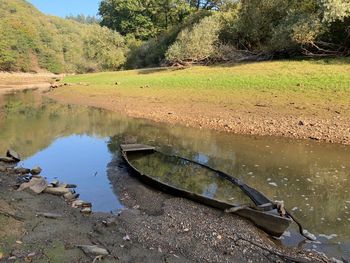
(307, 81)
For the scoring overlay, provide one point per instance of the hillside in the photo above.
(32, 42)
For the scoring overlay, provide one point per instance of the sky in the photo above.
(63, 8)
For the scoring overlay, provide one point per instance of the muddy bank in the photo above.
(10, 82)
(153, 227)
(271, 116)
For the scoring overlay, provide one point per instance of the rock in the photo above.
(77, 203)
(56, 190)
(14, 155)
(37, 185)
(87, 204)
(49, 215)
(126, 238)
(301, 123)
(21, 170)
(36, 170)
(86, 210)
(7, 160)
(93, 250)
(71, 196)
(55, 183)
(111, 221)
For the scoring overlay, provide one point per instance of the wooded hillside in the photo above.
(180, 32)
(32, 41)
(137, 34)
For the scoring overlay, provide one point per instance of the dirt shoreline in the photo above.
(292, 121)
(12, 82)
(170, 229)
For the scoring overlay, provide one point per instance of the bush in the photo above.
(196, 44)
(152, 52)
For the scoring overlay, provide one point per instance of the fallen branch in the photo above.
(18, 218)
(281, 255)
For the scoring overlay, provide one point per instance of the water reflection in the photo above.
(188, 176)
(313, 179)
(80, 160)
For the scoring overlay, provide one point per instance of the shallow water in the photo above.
(76, 144)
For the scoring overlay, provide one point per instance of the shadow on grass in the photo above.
(146, 71)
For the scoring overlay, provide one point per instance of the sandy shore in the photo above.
(10, 82)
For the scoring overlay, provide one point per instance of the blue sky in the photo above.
(67, 7)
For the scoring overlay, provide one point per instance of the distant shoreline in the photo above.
(256, 99)
(17, 81)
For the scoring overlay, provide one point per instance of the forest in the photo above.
(137, 34)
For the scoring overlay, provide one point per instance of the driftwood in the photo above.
(18, 218)
(49, 215)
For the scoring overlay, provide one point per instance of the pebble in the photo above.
(126, 238)
(86, 210)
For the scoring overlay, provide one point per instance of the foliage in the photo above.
(152, 52)
(335, 10)
(277, 25)
(143, 19)
(105, 48)
(84, 19)
(196, 44)
(43, 42)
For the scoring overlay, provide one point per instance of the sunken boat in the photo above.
(190, 179)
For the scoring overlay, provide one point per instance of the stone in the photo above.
(93, 250)
(77, 203)
(56, 190)
(37, 185)
(36, 170)
(86, 210)
(21, 170)
(14, 155)
(71, 196)
(111, 221)
(7, 160)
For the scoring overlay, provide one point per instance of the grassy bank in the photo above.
(238, 98)
(306, 81)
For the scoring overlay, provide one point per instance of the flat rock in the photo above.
(14, 155)
(37, 185)
(93, 250)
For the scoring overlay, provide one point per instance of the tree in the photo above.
(142, 19)
(197, 44)
(84, 19)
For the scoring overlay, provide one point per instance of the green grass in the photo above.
(273, 75)
(307, 81)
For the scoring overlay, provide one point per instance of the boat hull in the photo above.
(269, 221)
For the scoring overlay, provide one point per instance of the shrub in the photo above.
(196, 44)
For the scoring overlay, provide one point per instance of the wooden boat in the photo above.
(201, 183)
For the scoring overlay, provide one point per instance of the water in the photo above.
(188, 176)
(76, 144)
